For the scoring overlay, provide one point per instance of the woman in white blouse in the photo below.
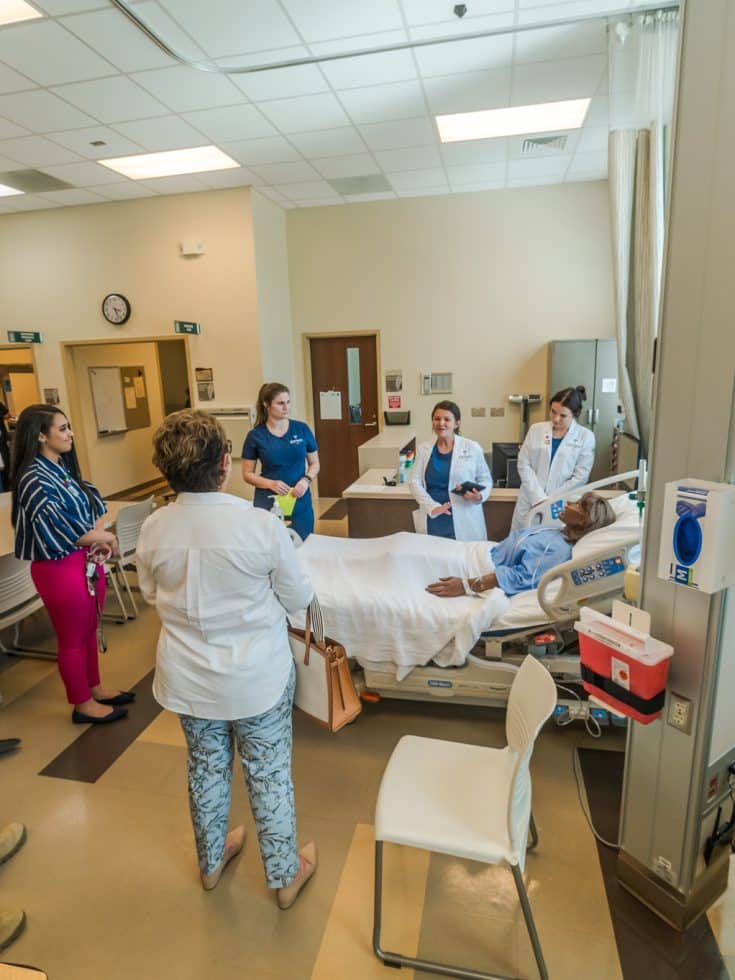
(222, 575)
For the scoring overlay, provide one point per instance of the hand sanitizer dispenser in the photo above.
(698, 535)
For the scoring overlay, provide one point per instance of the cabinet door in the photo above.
(604, 405)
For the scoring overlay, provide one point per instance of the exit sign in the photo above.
(185, 326)
(24, 337)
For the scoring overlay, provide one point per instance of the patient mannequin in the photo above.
(527, 553)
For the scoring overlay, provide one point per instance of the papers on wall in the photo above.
(609, 386)
(139, 385)
(130, 399)
(330, 405)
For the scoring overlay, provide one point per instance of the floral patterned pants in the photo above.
(264, 746)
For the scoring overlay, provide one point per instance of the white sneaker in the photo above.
(11, 926)
(12, 836)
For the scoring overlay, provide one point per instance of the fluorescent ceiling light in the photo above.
(6, 191)
(196, 160)
(546, 117)
(12, 11)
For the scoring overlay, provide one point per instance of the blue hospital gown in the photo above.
(526, 554)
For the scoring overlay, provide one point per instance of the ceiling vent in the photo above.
(374, 184)
(541, 144)
(32, 181)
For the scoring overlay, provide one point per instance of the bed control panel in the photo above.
(600, 569)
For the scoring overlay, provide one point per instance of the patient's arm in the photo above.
(454, 586)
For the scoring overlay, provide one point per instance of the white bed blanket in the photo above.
(373, 597)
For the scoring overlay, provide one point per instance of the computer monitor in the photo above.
(504, 467)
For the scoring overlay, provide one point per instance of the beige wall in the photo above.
(56, 266)
(470, 283)
(119, 461)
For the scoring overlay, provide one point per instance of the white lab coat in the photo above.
(571, 466)
(222, 575)
(468, 463)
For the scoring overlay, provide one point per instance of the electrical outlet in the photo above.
(478, 413)
(680, 713)
(497, 412)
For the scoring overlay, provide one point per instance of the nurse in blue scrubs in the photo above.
(288, 456)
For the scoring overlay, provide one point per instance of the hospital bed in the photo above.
(538, 622)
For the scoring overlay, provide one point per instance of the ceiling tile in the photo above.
(482, 187)
(80, 141)
(598, 113)
(540, 181)
(42, 112)
(124, 191)
(86, 174)
(424, 191)
(370, 69)
(72, 198)
(111, 99)
(13, 81)
(365, 198)
(182, 184)
(239, 122)
(35, 151)
(272, 195)
(413, 158)
(281, 83)
(274, 149)
(328, 142)
(432, 11)
(399, 100)
(475, 151)
(58, 7)
(224, 27)
(323, 202)
(358, 44)
(7, 164)
(411, 179)
(320, 20)
(186, 89)
(476, 173)
(164, 133)
(589, 163)
(549, 81)
(470, 91)
(230, 178)
(352, 165)
(113, 36)
(305, 114)
(46, 52)
(593, 139)
(29, 202)
(393, 135)
(307, 190)
(565, 41)
(258, 58)
(9, 130)
(480, 54)
(550, 166)
(284, 173)
(546, 10)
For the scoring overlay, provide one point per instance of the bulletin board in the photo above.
(120, 399)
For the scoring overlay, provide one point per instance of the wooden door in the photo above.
(344, 383)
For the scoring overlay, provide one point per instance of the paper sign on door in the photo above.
(330, 405)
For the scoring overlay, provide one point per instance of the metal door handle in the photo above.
(596, 415)
(370, 425)
(590, 420)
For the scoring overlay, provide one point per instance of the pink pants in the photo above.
(73, 613)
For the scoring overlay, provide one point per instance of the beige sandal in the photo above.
(233, 845)
(308, 861)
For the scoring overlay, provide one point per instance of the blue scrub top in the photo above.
(555, 443)
(283, 458)
(436, 479)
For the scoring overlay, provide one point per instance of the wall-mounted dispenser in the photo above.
(698, 535)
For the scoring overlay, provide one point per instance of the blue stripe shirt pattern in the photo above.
(53, 512)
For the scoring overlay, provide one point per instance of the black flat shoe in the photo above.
(79, 718)
(124, 697)
(8, 745)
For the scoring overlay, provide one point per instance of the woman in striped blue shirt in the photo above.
(59, 528)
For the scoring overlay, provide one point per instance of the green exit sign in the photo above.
(24, 337)
(185, 326)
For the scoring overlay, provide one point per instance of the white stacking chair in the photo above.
(18, 599)
(127, 528)
(469, 801)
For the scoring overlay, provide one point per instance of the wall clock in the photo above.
(116, 309)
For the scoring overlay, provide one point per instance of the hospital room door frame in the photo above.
(338, 439)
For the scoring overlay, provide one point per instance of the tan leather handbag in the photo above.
(324, 687)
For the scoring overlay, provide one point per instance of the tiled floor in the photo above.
(108, 875)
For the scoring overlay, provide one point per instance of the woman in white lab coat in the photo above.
(442, 467)
(556, 455)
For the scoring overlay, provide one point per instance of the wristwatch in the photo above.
(307, 477)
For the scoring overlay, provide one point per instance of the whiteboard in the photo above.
(107, 398)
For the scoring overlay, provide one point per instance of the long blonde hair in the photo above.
(268, 391)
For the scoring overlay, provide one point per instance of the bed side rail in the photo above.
(547, 512)
(581, 579)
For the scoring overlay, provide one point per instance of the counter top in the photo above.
(391, 437)
(370, 486)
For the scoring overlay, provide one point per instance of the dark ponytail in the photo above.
(571, 398)
(268, 391)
